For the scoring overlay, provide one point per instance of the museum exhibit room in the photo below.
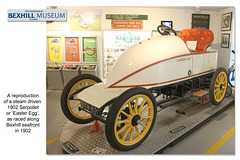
(141, 80)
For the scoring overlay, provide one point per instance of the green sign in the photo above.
(90, 49)
(128, 37)
(127, 16)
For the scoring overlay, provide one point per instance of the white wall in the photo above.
(181, 18)
(224, 54)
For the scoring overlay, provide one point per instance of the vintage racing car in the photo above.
(126, 102)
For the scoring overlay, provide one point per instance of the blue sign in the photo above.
(36, 15)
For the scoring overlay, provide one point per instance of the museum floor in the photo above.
(197, 143)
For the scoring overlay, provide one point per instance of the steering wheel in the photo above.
(163, 27)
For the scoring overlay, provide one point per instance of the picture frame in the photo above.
(226, 21)
(225, 40)
(200, 21)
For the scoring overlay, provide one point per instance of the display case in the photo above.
(70, 71)
(89, 69)
(54, 77)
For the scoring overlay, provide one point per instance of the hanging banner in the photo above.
(127, 24)
(55, 49)
(72, 48)
(89, 49)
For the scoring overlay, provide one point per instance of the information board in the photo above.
(89, 49)
(55, 49)
(72, 48)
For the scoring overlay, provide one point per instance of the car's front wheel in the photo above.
(131, 119)
(72, 108)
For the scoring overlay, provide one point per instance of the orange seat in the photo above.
(204, 37)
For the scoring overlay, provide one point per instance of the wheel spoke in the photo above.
(136, 106)
(136, 127)
(144, 126)
(131, 134)
(86, 83)
(75, 105)
(79, 85)
(146, 117)
(130, 108)
(142, 104)
(144, 110)
(216, 90)
(126, 133)
(123, 121)
(123, 128)
(217, 86)
(127, 115)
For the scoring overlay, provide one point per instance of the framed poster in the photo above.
(85, 19)
(200, 21)
(225, 40)
(55, 49)
(226, 22)
(72, 48)
(116, 42)
(89, 49)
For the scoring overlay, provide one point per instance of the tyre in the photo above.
(218, 86)
(231, 80)
(72, 108)
(131, 119)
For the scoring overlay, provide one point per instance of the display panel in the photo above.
(85, 19)
(89, 49)
(167, 23)
(116, 42)
(72, 48)
(55, 49)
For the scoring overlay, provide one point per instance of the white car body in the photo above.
(151, 63)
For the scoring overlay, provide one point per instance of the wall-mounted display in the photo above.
(127, 16)
(225, 40)
(127, 24)
(226, 21)
(200, 21)
(116, 42)
(89, 49)
(55, 49)
(72, 48)
(85, 20)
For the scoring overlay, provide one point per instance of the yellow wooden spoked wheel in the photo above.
(137, 120)
(218, 86)
(133, 119)
(72, 108)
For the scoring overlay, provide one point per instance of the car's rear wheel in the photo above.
(218, 86)
(131, 119)
(72, 108)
